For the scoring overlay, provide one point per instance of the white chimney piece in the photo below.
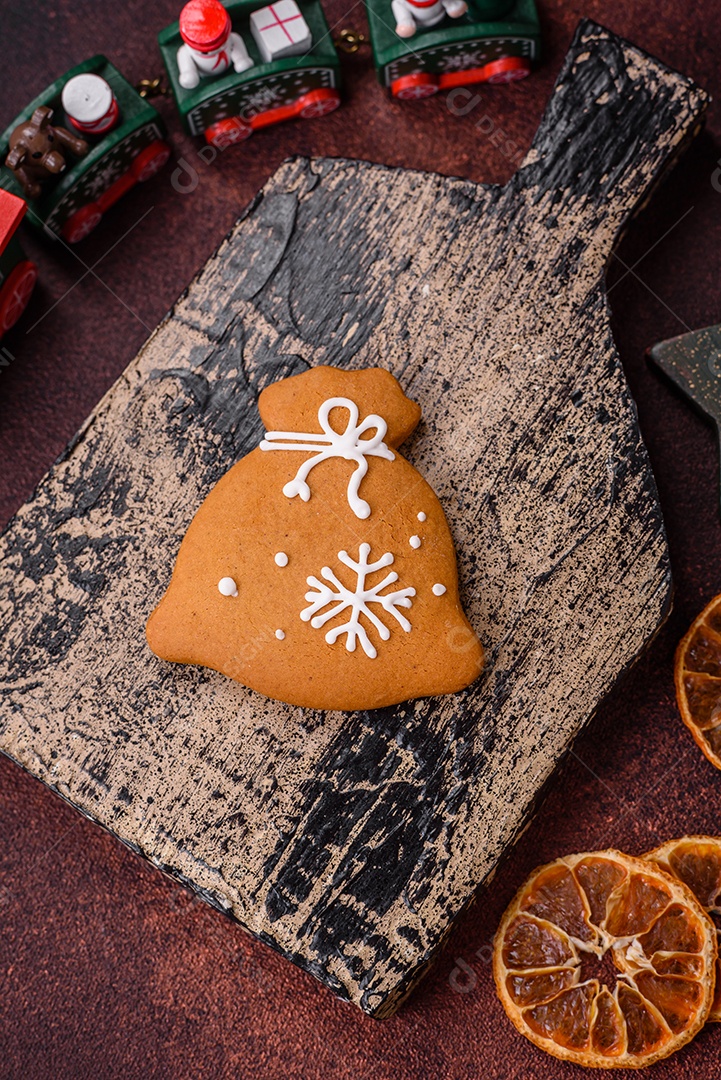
(90, 104)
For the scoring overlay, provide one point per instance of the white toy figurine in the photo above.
(411, 15)
(210, 45)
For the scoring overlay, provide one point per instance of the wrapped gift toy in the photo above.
(280, 30)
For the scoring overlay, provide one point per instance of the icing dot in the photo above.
(421, 516)
(280, 634)
(415, 541)
(227, 587)
(438, 589)
(281, 559)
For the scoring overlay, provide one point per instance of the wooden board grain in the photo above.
(349, 842)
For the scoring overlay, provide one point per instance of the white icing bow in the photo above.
(347, 444)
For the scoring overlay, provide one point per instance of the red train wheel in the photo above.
(412, 87)
(228, 132)
(16, 293)
(150, 160)
(507, 69)
(82, 223)
(318, 103)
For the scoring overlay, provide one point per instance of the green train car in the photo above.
(495, 41)
(132, 151)
(229, 107)
(17, 273)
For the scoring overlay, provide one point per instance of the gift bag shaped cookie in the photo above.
(320, 569)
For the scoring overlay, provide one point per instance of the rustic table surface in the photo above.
(107, 968)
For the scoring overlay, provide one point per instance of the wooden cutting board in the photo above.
(349, 842)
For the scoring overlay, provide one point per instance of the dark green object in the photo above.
(488, 31)
(261, 88)
(693, 362)
(110, 158)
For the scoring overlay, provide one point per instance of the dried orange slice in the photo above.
(606, 960)
(696, 860)
(698, 680)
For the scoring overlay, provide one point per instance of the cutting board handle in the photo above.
(615, 118)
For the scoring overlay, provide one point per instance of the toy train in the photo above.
(233, 68)
(493, 41)
(288, 67)
(17, 273)
(110, 140)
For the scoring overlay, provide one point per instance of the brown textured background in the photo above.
(107, 969)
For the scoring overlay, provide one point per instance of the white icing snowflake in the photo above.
(357, 601)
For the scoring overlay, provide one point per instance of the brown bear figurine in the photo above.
(320, 570)
(37, 151)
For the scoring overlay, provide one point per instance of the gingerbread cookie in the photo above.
(320, 569)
